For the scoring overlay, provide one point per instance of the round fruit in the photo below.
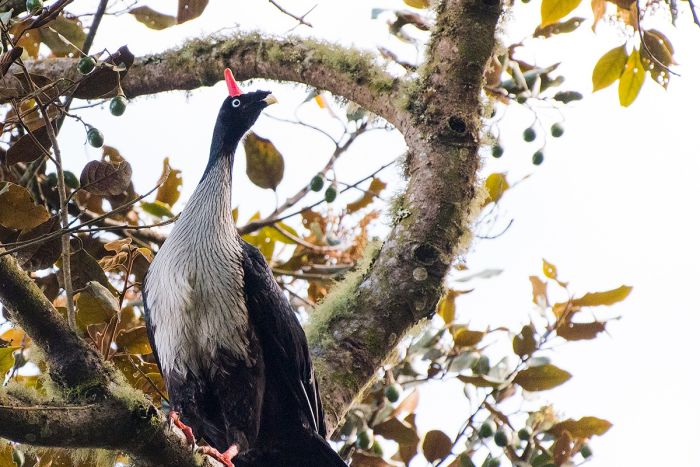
(377, 449)
(316, 183)
(365, 439)
(586, 451)
(529, 134)
(34, 5)
(70, 179)
(86, 65)
(330, 194)
(538, 157)
(497, 150)
(524, 434)
(465, 461)
(521, 99)
(117, 106)
(52, 179)
(494, 463)
(487, 429)
(482, 366)
(557, 130)
(392, 392)
(501, 438)
(95, 137)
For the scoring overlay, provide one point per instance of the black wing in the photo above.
(282, 338)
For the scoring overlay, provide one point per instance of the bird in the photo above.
(234, 357)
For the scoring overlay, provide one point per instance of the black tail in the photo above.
(309, 451)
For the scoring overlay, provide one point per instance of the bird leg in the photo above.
(174, 419)
(225, 457)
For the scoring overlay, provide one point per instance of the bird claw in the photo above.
(174, 419)
(225, 457)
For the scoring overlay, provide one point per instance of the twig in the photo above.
(696, 20)
(300, 19)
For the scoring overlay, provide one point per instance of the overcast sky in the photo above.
(614, 203)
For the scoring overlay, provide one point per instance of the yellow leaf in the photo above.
(446, 306)
(153, 19)
(7, 360)
(95, 305)
(583, 428)
(157, 209)
(539, 291)
(15, 336)
(134, 340)
(169, 191)
(554, 10)
(117, 245)
(608, 297)
(549, 269)
(467, 338)
(631, 80)
(417, 3)
(609, 67)
(264, 163)
(540, 378)
(17, 209)
(496, 184)
(374, 189)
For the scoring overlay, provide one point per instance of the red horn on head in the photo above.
(233, 89)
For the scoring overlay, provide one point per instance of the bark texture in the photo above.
(438, 113)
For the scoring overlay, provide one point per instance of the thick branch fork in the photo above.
(439, 115)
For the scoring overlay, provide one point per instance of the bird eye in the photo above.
(235, 103)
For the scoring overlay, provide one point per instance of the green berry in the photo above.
(526, 1)
(86, 65)
(487, 429)
(524, 434)
(494, 463)
(316, 183)
(482, 366)
(365, 439)
(52, 179)
(117, 106)
(557, 130)
(95, 137)
(529, 134)
(377, 449)
(330, 194)
(70, 179)
(465, 460)
(586, 451)
(392, 392)
(34, 5)
(501, 438)
(497, 150)
(538, 157)
(521, 99)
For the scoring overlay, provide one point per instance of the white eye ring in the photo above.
(235, 103)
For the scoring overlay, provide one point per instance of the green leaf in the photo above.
(582, 428)
(554, 10)
(541, 378)
(608, 297)
(169, 191)
(569, 25)
(157, 208)
(17, 209)
(134, 341)
(63, 35)
(7, 360)
(436, 445)
(264, 163)
(609, 67)
(153, 19)
(631, 80)
(481, 381)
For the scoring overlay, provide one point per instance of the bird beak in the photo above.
(269, 100)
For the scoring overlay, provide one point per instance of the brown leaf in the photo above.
(525, 343)
(169, 191)
(481, 381)
(407, 405)
(134, 341)
(583, 428)
(580, 331)
(374, 189)
(569, 25)
(43, 254)
(26, 148)
(152, 18)
(609, 297)
(396, 430)
(85, 268)
(103, 81)
(598, 7)
(541, 378)
(17, 209)
(539, 291)
(264, 163)
(72, 31)
(367, 460)
(561, 450)
(436, 445)
(190, 9)
(105, 178)
(464, 337)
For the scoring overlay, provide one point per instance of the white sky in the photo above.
(614, 203)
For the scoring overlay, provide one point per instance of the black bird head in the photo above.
(237, 115)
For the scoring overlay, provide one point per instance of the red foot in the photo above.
(175, 420)
(225, 457)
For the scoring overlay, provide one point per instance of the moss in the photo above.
(340, 301)
(397, 210)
